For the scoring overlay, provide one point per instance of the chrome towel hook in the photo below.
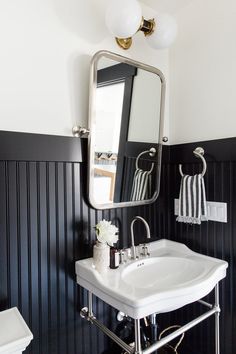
(152, 152)
(198, 152)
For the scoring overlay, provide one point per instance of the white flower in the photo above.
(106, 232)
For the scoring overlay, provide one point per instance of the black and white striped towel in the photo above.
(192, 200)
(141, 188)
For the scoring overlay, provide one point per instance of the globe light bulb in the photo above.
(123, 17)
(165, 32)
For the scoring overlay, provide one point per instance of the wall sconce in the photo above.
(124, 19)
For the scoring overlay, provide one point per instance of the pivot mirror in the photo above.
(126, 130)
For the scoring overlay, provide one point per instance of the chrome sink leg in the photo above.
(90, 304)
(138, 348)
(217, 320)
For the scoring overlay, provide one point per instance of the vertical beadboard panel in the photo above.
(4, 232)
(45, 226)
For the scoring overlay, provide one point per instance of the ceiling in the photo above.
(170, 6)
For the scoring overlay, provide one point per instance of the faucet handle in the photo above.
(144, 250)
(123, 256)
(135, 252)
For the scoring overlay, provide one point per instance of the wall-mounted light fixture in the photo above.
(124, 18)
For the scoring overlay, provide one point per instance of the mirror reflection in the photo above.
(125, 132)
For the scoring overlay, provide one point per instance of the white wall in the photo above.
(46, 46)
(203, 72)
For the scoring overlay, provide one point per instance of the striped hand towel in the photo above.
(141, 188)
(192, 200)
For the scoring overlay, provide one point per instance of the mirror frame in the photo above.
(92, 127)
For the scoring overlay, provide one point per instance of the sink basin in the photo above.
(172, 277)
(172, 271)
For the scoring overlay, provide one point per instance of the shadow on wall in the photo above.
(78, 75)
(83, 18)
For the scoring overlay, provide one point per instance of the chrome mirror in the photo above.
(126, 130)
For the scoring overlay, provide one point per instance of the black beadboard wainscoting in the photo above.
(46, 225)
(210, 238)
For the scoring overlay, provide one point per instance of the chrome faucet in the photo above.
(133, 249)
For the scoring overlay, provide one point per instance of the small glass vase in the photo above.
(101, 256)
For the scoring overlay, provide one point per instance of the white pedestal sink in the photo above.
(170, 278)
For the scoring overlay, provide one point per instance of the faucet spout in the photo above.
(133, 249)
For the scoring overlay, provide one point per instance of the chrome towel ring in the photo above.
(198, 152)
(152, 152)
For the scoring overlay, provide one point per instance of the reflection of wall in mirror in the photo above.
(109, 104)
(104, 183)
(106, 63)
(145, 108)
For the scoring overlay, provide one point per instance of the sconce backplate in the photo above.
(124, 43)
